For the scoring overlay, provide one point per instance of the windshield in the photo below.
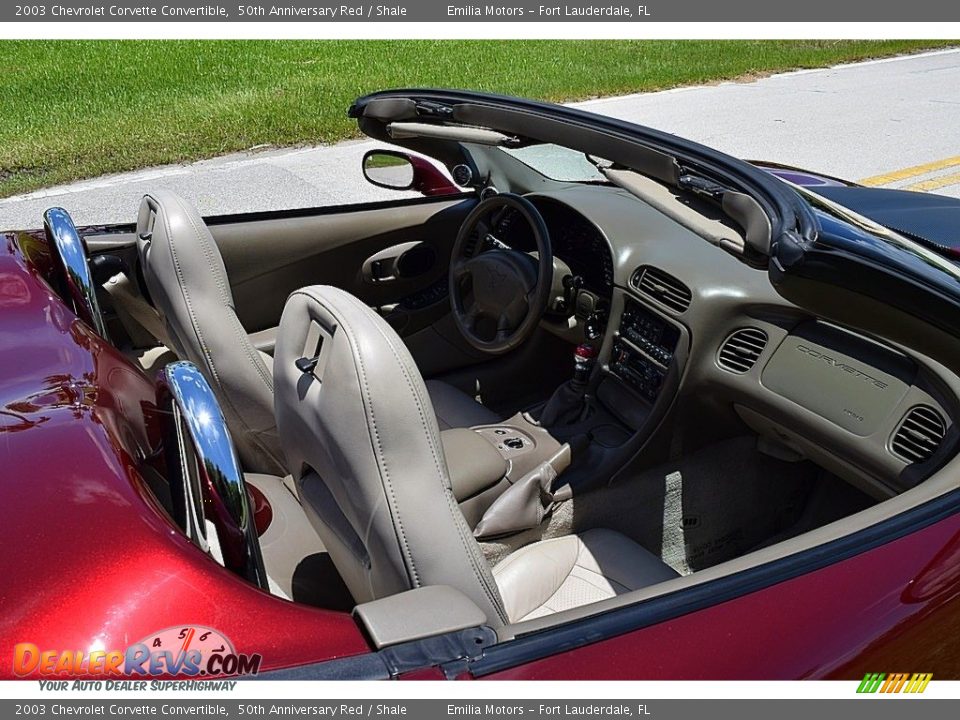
(557, 162)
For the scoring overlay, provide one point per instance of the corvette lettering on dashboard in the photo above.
(845, 367)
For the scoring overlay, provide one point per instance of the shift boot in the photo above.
(568, 402)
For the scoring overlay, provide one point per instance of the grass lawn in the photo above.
(75, 109)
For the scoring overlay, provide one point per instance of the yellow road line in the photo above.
(910, 172)
(936, 183)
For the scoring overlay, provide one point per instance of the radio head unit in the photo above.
(643, 349)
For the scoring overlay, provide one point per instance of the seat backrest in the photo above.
(189, 287)
(362, 442)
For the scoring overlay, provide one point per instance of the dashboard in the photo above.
(686, 315)
(576, 241)
(643, 350)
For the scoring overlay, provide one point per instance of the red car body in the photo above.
(92, 560)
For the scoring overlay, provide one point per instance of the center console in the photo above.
(631, 382)
(643, 349)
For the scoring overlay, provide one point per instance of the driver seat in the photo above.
(364, 448)
(190, 290)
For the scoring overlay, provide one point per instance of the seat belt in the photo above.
(136, 315)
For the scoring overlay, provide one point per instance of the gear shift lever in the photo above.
(567, 403)
(584, 358)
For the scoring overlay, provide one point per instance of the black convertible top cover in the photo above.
(930, 217)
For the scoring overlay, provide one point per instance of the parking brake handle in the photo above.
(527, 502)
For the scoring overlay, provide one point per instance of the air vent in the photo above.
(920, 433)
(742, 349)
(663, 288)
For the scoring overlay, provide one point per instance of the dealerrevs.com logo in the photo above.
(190, 651)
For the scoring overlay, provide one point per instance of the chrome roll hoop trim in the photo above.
(71, 256)
(214, 487)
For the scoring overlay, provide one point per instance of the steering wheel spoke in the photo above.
(513, 314)
(482, 231)
(460, 270)
(472, 316)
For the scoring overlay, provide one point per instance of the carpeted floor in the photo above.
(711, 506)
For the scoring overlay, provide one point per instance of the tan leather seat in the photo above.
(574, 570)
(190, 290)
(364, 447)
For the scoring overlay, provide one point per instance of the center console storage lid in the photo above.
(473, 463)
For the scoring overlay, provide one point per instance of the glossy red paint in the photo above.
(261, 508)
(92, 561)
(429, 180)
(888, 608)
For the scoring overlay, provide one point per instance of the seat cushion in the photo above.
(455, 409)
(574, 570)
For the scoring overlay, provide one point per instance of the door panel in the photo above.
(267, 259)
(269, 255)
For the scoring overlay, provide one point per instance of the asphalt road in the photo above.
(890, 123)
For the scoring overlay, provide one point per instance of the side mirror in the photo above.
(397, 170)
(388, 169)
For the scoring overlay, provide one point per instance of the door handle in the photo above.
(404, 260)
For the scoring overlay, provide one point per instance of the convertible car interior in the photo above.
(566, 385)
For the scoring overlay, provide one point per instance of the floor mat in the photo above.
(831, 499)
(704, 509)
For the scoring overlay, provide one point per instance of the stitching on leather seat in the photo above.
(492, 595)
(223, 397)
(183, 288)
(472, 552)
(372, 425)
(212, 255)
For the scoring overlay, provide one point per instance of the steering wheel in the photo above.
(498, 295)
